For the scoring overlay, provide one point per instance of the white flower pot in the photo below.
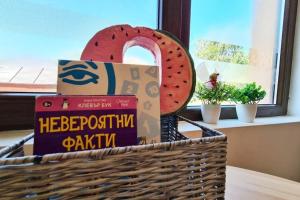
(210, 113)
(246, 112)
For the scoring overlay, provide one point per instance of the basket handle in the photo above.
(15, 146)
(205, 129)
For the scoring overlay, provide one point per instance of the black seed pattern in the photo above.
(179, 55)
(122, 29)
(170, 67)
(170, 76)
(168, 59)
(113, 36)
(138, 31)
(96, 44)
(126, 34)
(178, 72)
(111, 57)
(178, 48)
(176, 102)
(177, 86)
(165, 85)
(163, 43)
(170, 52)
(181, 66)
(185, 81)
(156, 36)
(170, 95)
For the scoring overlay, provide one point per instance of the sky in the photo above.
(34, 34)
(228, 21)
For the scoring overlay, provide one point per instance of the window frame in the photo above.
(17, 109)
(174, 16)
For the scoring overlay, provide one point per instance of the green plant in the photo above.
(249, 94)
(213, 94)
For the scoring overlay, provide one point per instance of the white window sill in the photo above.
(10, 137)
(185, 127)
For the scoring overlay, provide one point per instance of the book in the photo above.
(98, 78)
(77, 123)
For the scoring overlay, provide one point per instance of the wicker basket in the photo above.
(178, 169)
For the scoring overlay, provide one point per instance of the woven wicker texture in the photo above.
(185, 169)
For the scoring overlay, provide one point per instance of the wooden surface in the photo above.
(242, 184)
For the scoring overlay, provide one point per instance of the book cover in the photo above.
(98, 78)
(77, 123)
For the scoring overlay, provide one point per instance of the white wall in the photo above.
(294, 102)
(271, 149)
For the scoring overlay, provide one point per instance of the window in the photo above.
(35, 34)
(238, 39)
(175, 16)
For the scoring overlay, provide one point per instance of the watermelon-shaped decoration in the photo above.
(177, 69)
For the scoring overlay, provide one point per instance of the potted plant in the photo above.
(247, 99)
(212, 93)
